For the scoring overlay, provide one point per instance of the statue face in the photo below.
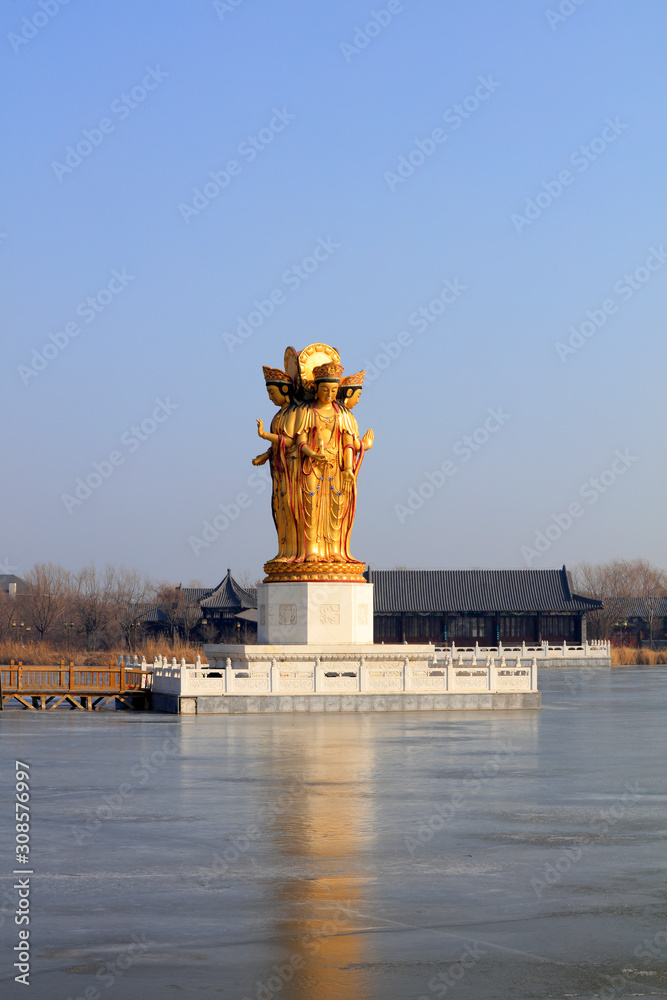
(351, 401)
(327, 391)
(276, 396)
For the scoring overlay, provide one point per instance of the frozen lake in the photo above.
(470, 855)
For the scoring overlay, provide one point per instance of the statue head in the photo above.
(350, 389)
(279, 385)
(327, 381)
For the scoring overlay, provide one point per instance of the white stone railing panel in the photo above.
(377, 673)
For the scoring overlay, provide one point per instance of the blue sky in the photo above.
(540, 200)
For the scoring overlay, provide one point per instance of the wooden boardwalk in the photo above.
(87, 688)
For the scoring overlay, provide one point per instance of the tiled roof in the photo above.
(151, 616)
(7, 578)
(639, 608)
(229, 596)
(475, 590)
(195, 593)
(248, 616)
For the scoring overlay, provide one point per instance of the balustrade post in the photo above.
(363, 675)
(229, 676)
(274, 676)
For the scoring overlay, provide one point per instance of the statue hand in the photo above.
(348, 479)
(261, 459)
(368, 439)
(260, 428)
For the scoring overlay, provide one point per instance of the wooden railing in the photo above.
(75, 679)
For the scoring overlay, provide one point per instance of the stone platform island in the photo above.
(315, 649)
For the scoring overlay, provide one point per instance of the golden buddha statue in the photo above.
(315, 457)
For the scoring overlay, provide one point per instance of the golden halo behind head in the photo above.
(292, 364)
(312, 356)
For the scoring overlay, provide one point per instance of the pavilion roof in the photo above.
(229, 596)
(475, 590)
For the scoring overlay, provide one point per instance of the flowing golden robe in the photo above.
(282, 462)
(323, 502)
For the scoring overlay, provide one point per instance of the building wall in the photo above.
(484, 629)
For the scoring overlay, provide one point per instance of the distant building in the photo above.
(226, 612)
(423, 606)
(478, 606)
(13, 585)
(642, 621)
(231, 607)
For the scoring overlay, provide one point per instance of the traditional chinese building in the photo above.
(478, 606)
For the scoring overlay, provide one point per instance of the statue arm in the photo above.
(273, 438)
(261, 459)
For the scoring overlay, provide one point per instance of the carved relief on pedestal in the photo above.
(262, 614)
(329, 614)
(287, 614)
(362, 614)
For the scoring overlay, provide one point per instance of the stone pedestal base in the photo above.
(315, 613)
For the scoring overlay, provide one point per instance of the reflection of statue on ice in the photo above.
(315, 457)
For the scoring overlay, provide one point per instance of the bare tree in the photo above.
(619, 584)
(7, 614)
(248, 580)
(651, 586)
(181, 613)
(45, 602)
(130, 593)
(91, 602)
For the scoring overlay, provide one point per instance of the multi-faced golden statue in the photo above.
(315, 455)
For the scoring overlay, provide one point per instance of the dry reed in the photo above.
(46, 654)
(630, 656)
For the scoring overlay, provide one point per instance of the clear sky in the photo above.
(484, 184)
